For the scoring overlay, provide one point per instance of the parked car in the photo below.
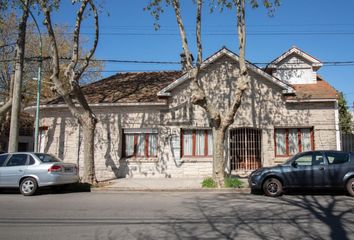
(313, 169)
(29, 171)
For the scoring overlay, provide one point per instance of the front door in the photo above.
(245, 148)
(308, 170)
(13, 170)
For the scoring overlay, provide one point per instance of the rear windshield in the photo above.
(46, 158)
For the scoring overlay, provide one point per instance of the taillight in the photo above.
(55, 168)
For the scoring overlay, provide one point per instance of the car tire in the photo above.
(28, 186)
(350, 186)
(272, 187)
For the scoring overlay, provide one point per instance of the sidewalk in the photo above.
(163, 184)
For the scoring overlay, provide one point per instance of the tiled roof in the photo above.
(127, 87)
(319, 90)
(143, 87)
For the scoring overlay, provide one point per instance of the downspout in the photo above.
(336, 120)
(78, 148)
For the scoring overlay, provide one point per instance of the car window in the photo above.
(31, 161)
(3, 157)
(47, 158)
(304, 159)
(310, 159)
(17, 160)
(337, 157)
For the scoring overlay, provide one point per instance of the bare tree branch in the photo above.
(176, 7)
(59, 86)
(243, 78)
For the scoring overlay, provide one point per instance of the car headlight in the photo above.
(256, 173)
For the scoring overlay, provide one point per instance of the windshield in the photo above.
(46, 158)
(290, 159)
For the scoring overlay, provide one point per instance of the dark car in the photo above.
(313, 169)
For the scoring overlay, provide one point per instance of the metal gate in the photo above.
(347, 142)
(245, 148)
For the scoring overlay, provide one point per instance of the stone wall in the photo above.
(263, 107)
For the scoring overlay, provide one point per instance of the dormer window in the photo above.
(295, 67)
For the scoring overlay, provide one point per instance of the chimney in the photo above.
(184, 61)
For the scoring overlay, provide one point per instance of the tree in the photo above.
(17, 82)
(219, 121)
(67, 84)
(8, 36)
(345, 118)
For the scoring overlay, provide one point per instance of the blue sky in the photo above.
(322, 28)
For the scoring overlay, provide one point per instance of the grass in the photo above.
(208, 183)
(229, 182)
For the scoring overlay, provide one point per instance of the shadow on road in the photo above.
(61, 189)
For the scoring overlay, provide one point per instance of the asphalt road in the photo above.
(175, 215)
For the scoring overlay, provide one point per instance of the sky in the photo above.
(322, 28)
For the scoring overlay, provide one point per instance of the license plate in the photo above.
(68, 169)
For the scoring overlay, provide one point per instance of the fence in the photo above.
(347, 142)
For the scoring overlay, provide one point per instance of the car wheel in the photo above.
(28, 186)
(350, 187)
(272, 187)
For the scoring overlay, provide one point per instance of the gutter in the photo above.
(311, 100)
(336, 120)
(55, 106)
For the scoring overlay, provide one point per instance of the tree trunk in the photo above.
(89, 127)
(16, 99)
(218, 156)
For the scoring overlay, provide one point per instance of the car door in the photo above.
(337, 168)
(14, 169)
(3, 158)
(307, 170)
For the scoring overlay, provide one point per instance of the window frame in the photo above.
(206, 145)
(299, 139)
(135, 145)
(12, 155)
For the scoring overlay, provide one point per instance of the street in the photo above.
(175, 215)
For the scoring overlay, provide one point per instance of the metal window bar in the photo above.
(245, 149)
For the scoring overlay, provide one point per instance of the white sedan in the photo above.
(29, 171)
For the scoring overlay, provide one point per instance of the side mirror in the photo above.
(294, 164)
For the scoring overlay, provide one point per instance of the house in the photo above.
(148, 128)
(25, 138)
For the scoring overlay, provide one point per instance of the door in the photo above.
(245, 149)
(13, 170)
(308, 170)
(337, 168)
(3, 158)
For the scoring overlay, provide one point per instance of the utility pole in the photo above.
(16, 100)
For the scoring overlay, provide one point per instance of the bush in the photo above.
(208, 183)
(231, 182)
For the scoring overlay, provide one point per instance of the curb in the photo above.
(206, 190)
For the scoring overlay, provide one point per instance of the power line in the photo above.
(36, 59)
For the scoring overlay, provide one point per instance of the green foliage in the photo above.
(231, 182)
(208, 183)
(270, 5)
(345, 118)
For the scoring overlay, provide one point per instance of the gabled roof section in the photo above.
(226, 52)
(317, 91)
(295, 50)
(134, 87)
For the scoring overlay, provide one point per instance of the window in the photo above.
(3, 158)
(140, 143)
(197, 143)
(47, 158)
(17, 160)
(290, 141)
(337, 157)
(310, 159)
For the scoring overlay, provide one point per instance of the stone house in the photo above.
(148, 127)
